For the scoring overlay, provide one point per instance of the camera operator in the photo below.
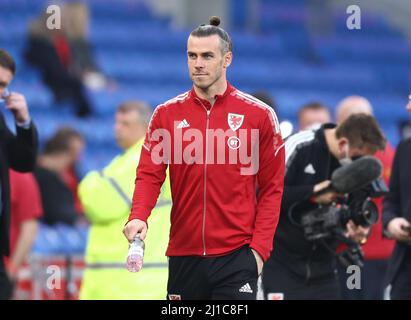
(378, 248)
(299, 268)
(396, 220)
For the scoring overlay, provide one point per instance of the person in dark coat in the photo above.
(16, 151)
(397, 221)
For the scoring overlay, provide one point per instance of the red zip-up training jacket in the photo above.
(215, 206)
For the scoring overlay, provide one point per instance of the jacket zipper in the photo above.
(205, 176)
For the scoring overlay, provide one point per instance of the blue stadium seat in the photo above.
(146, 58)
(48, 241)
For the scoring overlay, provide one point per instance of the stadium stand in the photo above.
(145, 55)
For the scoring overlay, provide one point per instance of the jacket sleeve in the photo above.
(294, 191)
(391, 204)
(22, 147)
(151, 170)
(296, 194)
(270, 178)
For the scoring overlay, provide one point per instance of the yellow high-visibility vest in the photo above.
(106, 197)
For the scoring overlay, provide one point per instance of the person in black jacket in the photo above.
(396, 221)
(299, 268)
(16, 151)
(57, 157)
(49, 51)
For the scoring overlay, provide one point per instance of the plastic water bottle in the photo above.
(135, 255)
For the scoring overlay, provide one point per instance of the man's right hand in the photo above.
(396, 228)
(326, 197)
(133, 227)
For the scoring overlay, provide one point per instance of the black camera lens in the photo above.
(368, 214)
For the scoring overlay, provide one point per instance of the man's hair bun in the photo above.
(215, 21)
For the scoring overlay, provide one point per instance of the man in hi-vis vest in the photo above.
(106, 196)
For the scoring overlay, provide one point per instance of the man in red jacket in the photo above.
(221, 231)
(378, 248)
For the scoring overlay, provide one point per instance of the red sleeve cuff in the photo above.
(341, 248)
(264, 254)
(312, 199)
(141, 214)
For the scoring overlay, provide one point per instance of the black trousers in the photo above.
(372, 281)
(230, 277)
(279, 283)
(6, 287)
(401, 286)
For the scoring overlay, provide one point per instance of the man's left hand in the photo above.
(17, 104)
(357, 233)
(259, 260)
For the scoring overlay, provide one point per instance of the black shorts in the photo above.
(230, 277)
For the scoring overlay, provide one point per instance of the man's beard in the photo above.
(206, 85)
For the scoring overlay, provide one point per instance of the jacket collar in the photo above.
(320, 133)
(198, 100)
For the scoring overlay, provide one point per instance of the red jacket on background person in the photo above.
(379, 247)
(215, 206)
(71, 180)
(25, 204)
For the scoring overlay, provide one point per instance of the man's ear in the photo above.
(228, 58)
(342, 144)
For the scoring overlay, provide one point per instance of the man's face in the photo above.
(310, 118)
(128, 128)
(206, 63)
(5, 78)
(76, 149)
(347, 151)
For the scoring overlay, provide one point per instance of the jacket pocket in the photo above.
(254, 265)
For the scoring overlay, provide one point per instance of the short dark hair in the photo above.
(142, 108)
(212, 29)
(314, 105)
(7, 61)
(362, 130)
(267, 99)
(60, 141)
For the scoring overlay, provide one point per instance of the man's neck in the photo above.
(131, 144)
(331, 141)
(218, 88)
(52, 163)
